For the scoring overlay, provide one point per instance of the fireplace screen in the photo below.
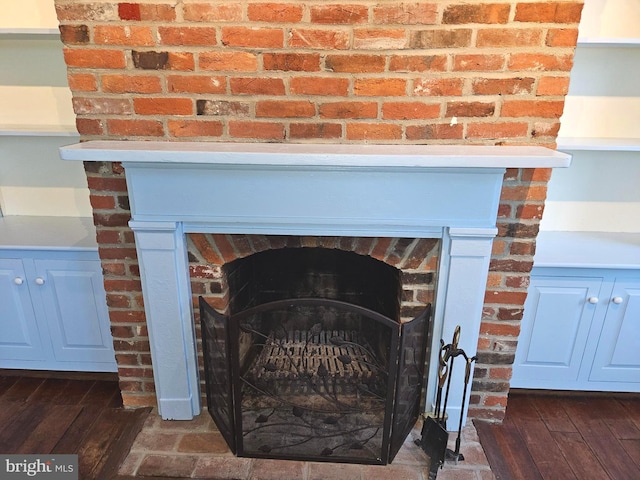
(313, 378)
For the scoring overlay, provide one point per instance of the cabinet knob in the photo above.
(617, 300)
(39, 281)
(593, 300)
(18, 281)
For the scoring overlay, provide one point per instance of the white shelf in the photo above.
(605, 144)
(608, 42)
(36, 110)
(47, 233)
(588, 250)
(28, 17)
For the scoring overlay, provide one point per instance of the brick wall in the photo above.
(322, 71)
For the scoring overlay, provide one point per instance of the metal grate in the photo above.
(301, 361)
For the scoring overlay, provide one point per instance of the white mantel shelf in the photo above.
(406, 191)
(330, 155)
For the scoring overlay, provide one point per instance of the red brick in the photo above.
(131, 84)
(82, 82)
(315, 130)
(257, 130)
(89, 126)
(519, 281)
(194, 128)
(549, 12)
(532, 108)
(94, 58)
(330, 86)
(438, 87)
(502, 86)
(130, 127)
(256, 86)
(470, 109)
(212, 12)
(355, 110)
(497, 130)
(181, 61)
(500, 329)
(478, 13)
(537, 62)
(105, 106)
(163, 106)
(441, 131)
(87, 12)
(187, 35)
(384, 87)
(285, 108)
(530, 212)
(196, 84)
(74, 34)
(418, 63)
(410, 110)
(562, 37)
(401, 13)
(373, 131)
(449, 38)
(542, 129)
(510, 297)
(342, 14)
(102, 202)
(252, 37)
(478, 62)
(157, 12)
(536, 174)
(228, 61)
(129, 11)
(298, 62)
(379, 39)
(274, 12)
(509, 37)
(130, 35)
(553, 86)
(355, 63)
(319, 39)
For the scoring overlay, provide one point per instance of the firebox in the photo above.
(312, 362)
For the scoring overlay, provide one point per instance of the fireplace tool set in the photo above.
(434, 430)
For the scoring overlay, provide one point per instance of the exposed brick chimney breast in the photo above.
(455, 72)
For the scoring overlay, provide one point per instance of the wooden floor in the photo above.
(68, 416)
(565, 438)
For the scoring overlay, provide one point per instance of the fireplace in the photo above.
(448, 193)
(313, 361)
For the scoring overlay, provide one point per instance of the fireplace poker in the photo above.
(456, 455)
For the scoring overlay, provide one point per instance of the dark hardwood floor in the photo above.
(543, 436)
(568, 437)
(68, 415)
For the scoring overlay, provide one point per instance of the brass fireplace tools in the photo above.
(434, 430)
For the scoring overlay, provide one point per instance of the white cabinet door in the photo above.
(75, 310)
(617, 357)
(554, 331)
(19, 336)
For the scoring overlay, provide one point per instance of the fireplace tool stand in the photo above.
(434, 430)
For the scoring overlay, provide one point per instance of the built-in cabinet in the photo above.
(53, 311)
(581, 325)
(582, 331)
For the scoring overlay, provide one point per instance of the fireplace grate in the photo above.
(301, 361)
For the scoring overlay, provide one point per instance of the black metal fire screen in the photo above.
(314, 379)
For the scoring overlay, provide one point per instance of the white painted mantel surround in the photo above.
(418, 191)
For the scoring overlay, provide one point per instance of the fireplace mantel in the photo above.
(418, 191)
